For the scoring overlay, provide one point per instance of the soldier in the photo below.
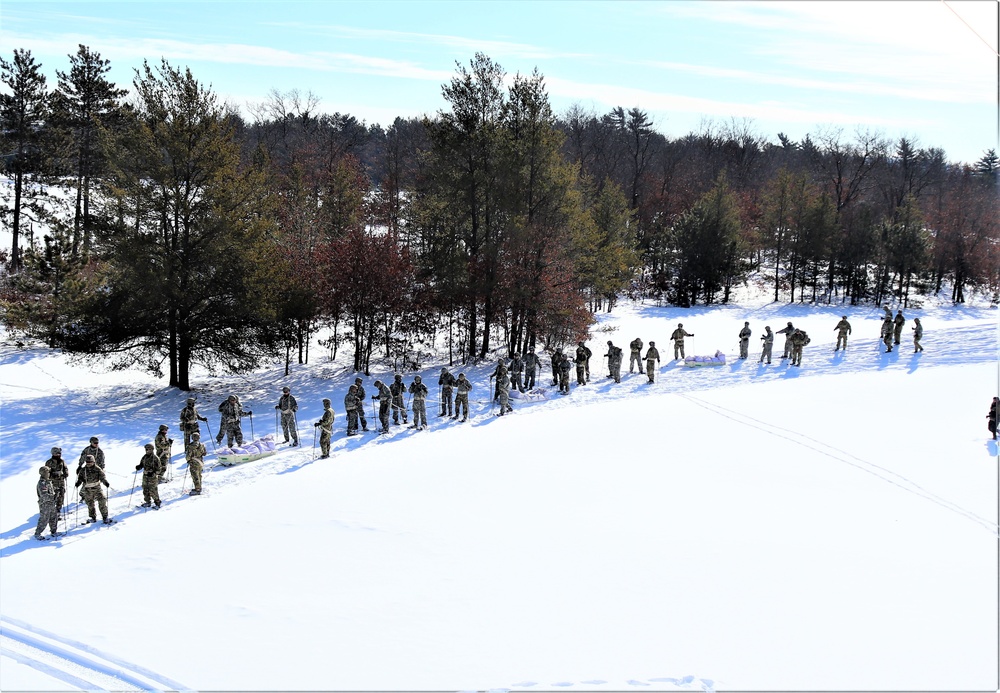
(325, 425)
(531, 364)
(678, 336)
(888, 313)
(556, 361)
(918, 333)
(163, 445)
(744, 336)
(48, 511)
(150, 466)
(503, 386)
(384, 398)
(352, 405)
(788, 340)
(768, 342)
(446, 382)
(398, 389)
(652, 360)
(564, 368)
(583, 355)
(462, 389)
(58, 473)
(897, 326)
(288, 408)
(500, 373)
(189, 421)
(361, 405)
(516, 368)
(419, 392)
(92, 449)
(991, 418)
(842, 329)
(229, 426)
(614, 357)
(799, 340)
(195, 453)
(886, 332)
(635, 355)
(90, 477)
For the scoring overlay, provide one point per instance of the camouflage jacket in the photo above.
(843, 327)
(150, 465)
(745, 334)
(635, 345)
(397, 388)
(800, 338)
(231, 411)
(326, 421)
(463, 386)
(352, 402)
(679, 334)
(418, 390)
(97, 452)
(189, 419)
(583, 354)
(918, 330)
(787, 331)
(195, 451)
(768, 337)
(886, 328)
(361, 391)
(384, 394)
(899, 320)
(287, 403)
(652, 354)
(446, 381)
(531, 361)
(162, 444)
(46, 491)
(90, 477)
(57, 467)
(516, 365)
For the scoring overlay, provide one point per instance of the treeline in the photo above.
(173, 231)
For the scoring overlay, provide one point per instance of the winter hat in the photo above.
(164, 427)
(56, 451)
(149, 446)
(416, 378)
(44, 471)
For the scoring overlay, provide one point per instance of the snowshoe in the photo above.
(194, 492)
(89, 520)
(295, 444)
(39, 537)
(146, 504)
(107, 521)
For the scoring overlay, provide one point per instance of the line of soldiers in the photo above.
(51, 486)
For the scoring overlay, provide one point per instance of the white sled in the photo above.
(230, 460)
(262, 447)
(697, 361)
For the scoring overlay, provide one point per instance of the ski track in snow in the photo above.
(75, 663)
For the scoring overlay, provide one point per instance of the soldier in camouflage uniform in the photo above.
(419, 392)
(768, 343)
(678, 336)
(384, 398)
(446, 383)
(652, 360)
(503, 385)
(515, 368)
(189, 421)
(94, 450)
(48, 511)
(150, 466)
(531, 365)
(635, 355)
(361, 408)
(556, 360)
(787, 331)
(58, 473)
(799, 340)
(897, 326)
(499, 373)
(352, 405)
(886, 333)
(991, 416)
(614, 357)
(325, 425)
(288, 408)
(583, 355)
(918, 334)
(462, 389)
(162, 444)
(565, 365)
(229, 426)
(398, 389)
(842, 329)
(744, 337)
(195, 453)
(90, 477)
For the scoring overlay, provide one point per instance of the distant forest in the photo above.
(166, 229)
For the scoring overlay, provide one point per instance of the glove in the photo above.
(316, 424)
(77, 484)
(170, 441)
(202, 418)
(277, 406)
(107, 484)
(138, 466)
(250, 413)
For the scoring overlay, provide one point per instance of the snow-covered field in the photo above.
(744, 527)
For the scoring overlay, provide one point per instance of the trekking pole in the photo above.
(170, 458)
(210, 436)
(295, 423)
(184, 480)
(132, 491)
(315, 431)
(275, 423)
(252, 436)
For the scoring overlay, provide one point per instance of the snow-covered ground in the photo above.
(744, 527)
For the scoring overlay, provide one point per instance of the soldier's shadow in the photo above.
(992, 448)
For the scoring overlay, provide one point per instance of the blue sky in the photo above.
(926, 70)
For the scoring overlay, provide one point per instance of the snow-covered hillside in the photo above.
(751, 527)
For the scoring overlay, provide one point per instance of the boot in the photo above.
(146, 504)
(295, 444)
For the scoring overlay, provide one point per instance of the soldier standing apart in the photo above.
(419, 392)
(361, 405)
(462, 389)
(531, 364)
(516, 368)
(446, 382)
(150, 466)
(788, 340)
(48, 511)
(842, 329)
(94, 450)
(652, 361)
(58, 473)
(799, 340)
(162, 445)
(229, 426)
(352, 405)
(678, 336)
(325, 425)
(745, 340)
(189, 421)
(991, 418)
(918, 333)
(195, 453)
(768, 340)
(886, 332)
(90, 477)
(897, 326)
(384, 398)
(398, 389)
(635, 355)
(582, 358)
(288, 407)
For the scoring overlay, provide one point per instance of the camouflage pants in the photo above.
(788, 348)
(841, 342)
(324, 442)
(635, 358)
(360, 411)
(446, 401)
(678, 349)
(352, 421)
(231, 430)
(916, 344)
(91, 496)
(187, 433)
(288, 425)
(796, 355)
(563, 381)
(765, 353)
(555, 374)
(744, 348)
(383, 415)
(505, 402)
(581, 373)
(195, 465)
(897, 332)
(462, 405)
(60, 486)
(616, 370)
(887, 340)
(419, 412)
(515, 381)
(48, 513)
(398, 408)
(150, 490)
(651, 370)
(529, 379)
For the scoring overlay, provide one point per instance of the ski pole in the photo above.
(315, 431)
(133, 489)
(184, 480)
(252, 436)
(276, 423)
(211, 437)
(295, 423)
